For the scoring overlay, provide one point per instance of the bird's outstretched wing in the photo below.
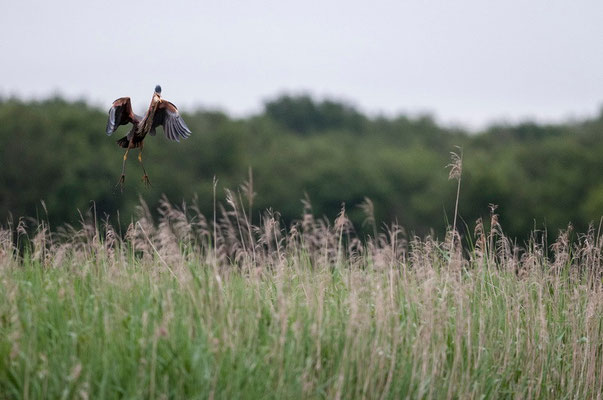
(173, 125)
(120, 114)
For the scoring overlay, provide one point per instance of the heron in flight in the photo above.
(160, 113)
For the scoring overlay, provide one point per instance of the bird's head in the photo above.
(157, 94)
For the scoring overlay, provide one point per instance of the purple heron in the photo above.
(160, 113)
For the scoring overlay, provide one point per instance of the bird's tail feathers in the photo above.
(124, 142)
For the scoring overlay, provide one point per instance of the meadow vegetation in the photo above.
(106, 295)
(228, 306)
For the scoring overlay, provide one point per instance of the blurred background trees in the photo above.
(56, 151)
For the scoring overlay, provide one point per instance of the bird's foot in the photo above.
(121, 182)
(145, 179)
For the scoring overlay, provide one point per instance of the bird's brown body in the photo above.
(160, 113)
(140, 128)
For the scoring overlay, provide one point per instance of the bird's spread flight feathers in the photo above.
(173, 125)
(121, 114)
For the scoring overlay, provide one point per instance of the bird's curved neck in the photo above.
(147, 121)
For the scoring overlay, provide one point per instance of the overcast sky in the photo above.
(468, 62)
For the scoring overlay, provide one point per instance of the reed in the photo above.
(185, 306)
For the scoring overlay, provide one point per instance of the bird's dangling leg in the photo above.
(122, 178)
(145, 177)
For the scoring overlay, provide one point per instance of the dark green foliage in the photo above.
(540, 175)
(303, 115)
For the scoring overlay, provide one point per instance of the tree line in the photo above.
(57, 162)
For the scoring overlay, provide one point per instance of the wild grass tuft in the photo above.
(186, 306)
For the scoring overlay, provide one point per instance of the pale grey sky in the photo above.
(468, 61)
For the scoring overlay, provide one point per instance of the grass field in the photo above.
(184, 307)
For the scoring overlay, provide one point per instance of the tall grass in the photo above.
(185, 307)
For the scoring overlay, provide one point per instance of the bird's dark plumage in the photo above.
(160, 113)
(174, 126)
(121, 114)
